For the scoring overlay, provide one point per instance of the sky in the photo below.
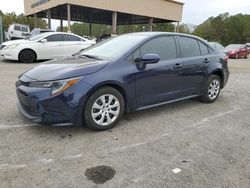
(194, 12)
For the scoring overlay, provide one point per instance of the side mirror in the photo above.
(43, 40)
(150, 58)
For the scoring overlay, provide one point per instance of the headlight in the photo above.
(57, 86)
(10, 46)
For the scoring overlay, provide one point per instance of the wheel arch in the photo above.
(27, 49)
(221, 76)
(114, 85)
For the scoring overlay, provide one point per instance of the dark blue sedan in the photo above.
(124, 74)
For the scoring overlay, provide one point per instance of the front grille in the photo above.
(27, 104)
(30, 109)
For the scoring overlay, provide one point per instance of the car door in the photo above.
(162, 81)
(73, 44)
(195, 59)
(52, 48)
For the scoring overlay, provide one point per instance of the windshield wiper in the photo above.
(90, 56)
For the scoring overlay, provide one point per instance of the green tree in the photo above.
(225, 29)
(10, 18)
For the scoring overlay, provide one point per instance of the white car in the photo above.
(51, 45)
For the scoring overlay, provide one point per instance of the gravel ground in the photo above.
(185, 144)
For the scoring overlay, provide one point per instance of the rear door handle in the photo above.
(178, 65)
(206, 61)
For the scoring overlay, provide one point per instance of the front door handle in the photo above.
(178, 65)
(206, 61)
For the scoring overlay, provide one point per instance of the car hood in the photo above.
(16, 42)
(65, 68)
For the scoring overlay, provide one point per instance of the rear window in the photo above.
(71, 38)
(189, 47)
(17, 28)
(25, 29)
(204, 49)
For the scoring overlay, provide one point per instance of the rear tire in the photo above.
(104, 109)
(27, 56)
(212, 89)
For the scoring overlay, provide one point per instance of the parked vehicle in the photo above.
(237, 51)
(37, 31)
(219, 47)
(18, 31)
(127, 73)
(51, 45)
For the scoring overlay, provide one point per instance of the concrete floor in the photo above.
(209, 143)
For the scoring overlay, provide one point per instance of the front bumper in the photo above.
(11, 54)
(64, 109)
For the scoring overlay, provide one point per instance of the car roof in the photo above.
(53, 33)
(19, 24)
(152, 34)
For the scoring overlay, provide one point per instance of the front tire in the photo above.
(212, 89)
(104, 109)
(27, 56)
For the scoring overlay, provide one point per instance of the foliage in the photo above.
(225, 29)
(10, 18)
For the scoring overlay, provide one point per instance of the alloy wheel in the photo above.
(214, 89)
(105, 110)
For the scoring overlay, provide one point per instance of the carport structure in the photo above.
(109, 12)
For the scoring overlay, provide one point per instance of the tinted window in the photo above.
(71, 38)
(204, 49)
(25, 29)
(165, 47)
(189, 47)
(18, 28)
(54, 38)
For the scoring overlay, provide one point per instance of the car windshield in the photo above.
(233, 46)
(114, 47)
(38, 37)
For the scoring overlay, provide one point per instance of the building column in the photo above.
(69, 17)
(90, 24)
(150, 24)
(176, 29)
(61, 25)
(114, 22)
(35, 20)
(49, 18)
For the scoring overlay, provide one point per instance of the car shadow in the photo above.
(18, 62)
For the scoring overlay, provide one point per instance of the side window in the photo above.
(189, 47)
(204, 49)
(17, 28)
(24, 29)
(55, 38)
(165, 47)
(71, 38)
